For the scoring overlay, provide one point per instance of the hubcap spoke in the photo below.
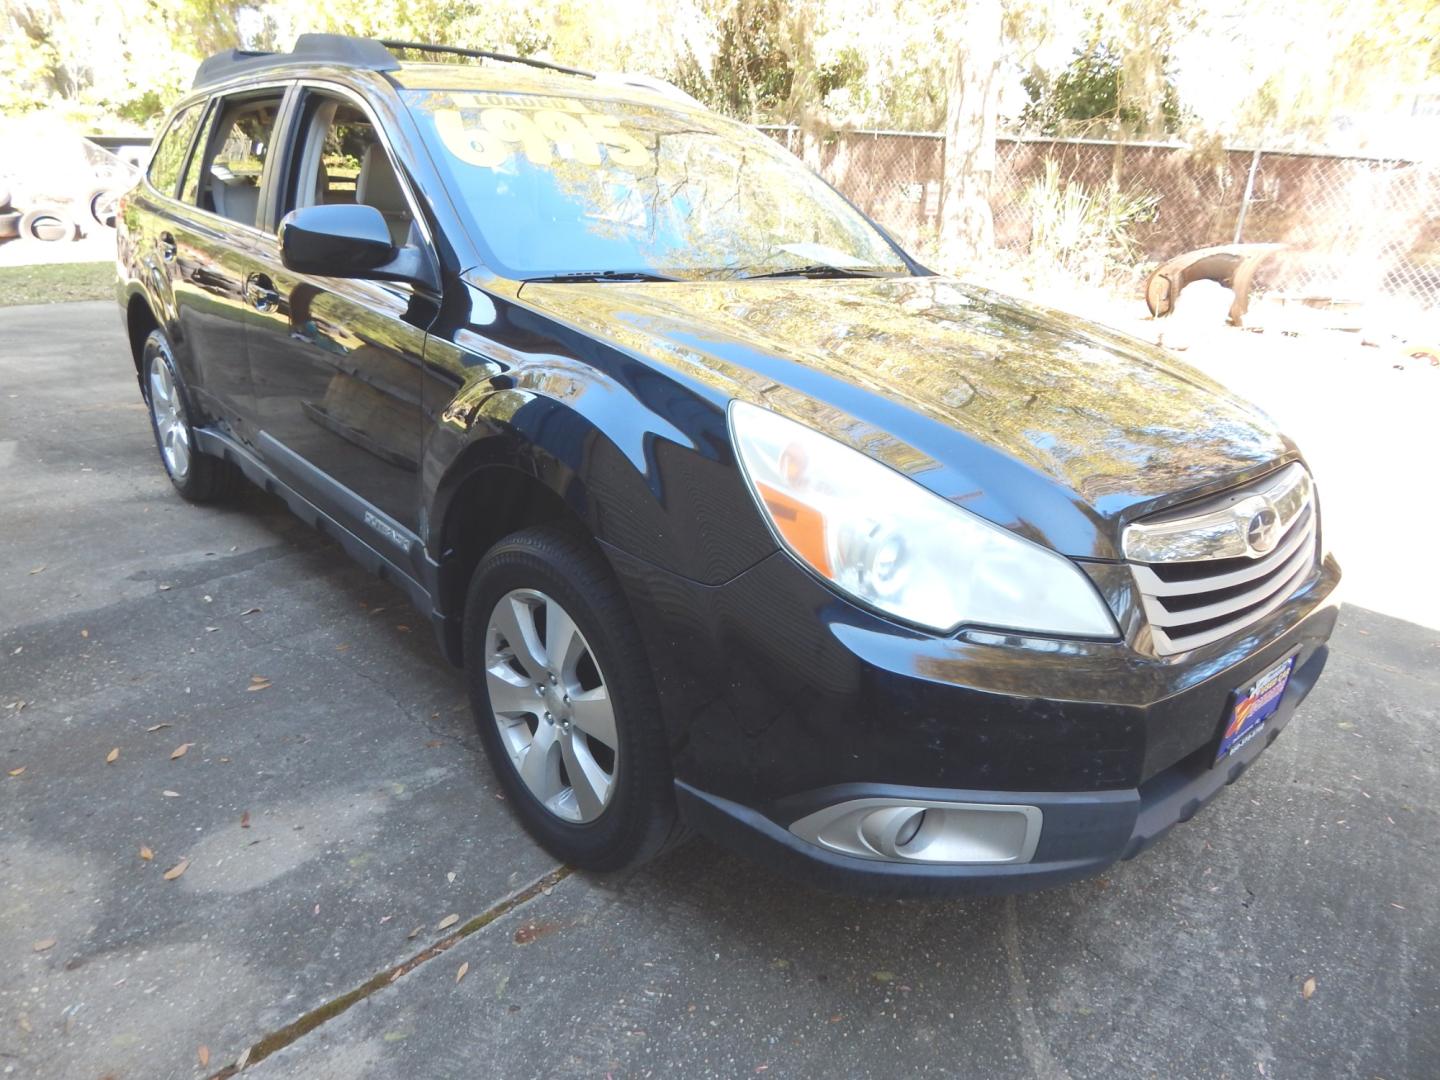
(592, 713)
(589, 782)
(539, 765)
(563, 644)
(515, 619)
(507, 696)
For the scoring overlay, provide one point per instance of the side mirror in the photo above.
(335, 241)
(351, 241)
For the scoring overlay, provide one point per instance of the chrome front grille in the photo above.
(1206, 573)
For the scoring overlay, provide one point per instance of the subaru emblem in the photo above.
(1263, 532)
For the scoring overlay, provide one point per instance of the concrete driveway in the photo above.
(332, 813)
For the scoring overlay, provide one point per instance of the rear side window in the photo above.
(229, 183)
(170, 153)
(190, 189)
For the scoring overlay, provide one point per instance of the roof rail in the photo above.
(484, 54)
(652, 83)
(337, 49)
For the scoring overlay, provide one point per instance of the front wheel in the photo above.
(565, 703)
(197, 476)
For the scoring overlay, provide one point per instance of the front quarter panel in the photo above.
(643, 460)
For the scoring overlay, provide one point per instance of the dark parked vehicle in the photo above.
(737, 518)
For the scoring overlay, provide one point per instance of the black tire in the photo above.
(48, 224)
(9, 224)
(100, 204)
(205, 478)
(639, 821)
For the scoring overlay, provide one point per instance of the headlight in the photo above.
(890, 543)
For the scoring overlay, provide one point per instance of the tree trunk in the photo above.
(967, 229)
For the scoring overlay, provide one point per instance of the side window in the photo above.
(169, 157)
(190, 188)
(229, 183)
(342, 160)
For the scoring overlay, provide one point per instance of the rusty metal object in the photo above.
(1232, 265)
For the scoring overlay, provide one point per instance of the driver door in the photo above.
(336, 363)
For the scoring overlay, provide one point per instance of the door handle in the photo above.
(261, 293)
(167, 247)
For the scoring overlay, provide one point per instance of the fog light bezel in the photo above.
(951, 832)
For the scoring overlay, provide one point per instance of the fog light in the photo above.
(925, 830)
(910, 829)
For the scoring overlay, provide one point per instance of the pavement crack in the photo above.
(1032, 1040)
(279, 1039)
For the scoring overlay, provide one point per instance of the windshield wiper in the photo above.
(823, 270)
(604, 275)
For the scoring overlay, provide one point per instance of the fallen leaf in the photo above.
(181, 750)
(170, 794)
(112, 756)
(447, 921)
(43, 944)
(17, 772)
(208, 599)
(463, 969)
(85, 633)
(317, 909)
(258, 684)
(203, 1055)
(242, 1060)
(245, 820)
(883, 976)
(433, 744)
(176, 870)
(450, 877)
(211, 629)
(164, 588)
(146, 853)
(402, 628)
(37, 570)
(413, 934)
(250, 611)
(156, 727)
(1307, 991)
(385, 918)
(344, 646)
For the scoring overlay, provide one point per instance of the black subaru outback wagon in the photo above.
(737, 518)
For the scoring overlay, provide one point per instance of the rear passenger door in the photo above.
(218, 244)
(336, 362)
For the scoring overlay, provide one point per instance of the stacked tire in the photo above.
(9, 218)
(49, 224)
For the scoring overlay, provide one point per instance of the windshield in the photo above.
(578, 187)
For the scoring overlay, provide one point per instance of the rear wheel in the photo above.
(565, 704)
(197, 476)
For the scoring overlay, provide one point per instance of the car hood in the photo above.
(1057, 428)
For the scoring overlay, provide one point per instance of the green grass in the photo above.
(56, 283)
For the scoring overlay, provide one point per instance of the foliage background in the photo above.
(1296, 72)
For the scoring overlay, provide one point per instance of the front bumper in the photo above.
(1082, 833)
(781, 698)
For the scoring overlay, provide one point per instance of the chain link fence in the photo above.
(1354, 228)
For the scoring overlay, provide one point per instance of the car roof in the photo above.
(470, 70)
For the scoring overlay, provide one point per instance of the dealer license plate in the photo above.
(1253, 706)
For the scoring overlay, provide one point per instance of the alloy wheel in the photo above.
(551, 705)
(171, 428)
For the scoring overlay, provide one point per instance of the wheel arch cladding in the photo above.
(140, 321)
